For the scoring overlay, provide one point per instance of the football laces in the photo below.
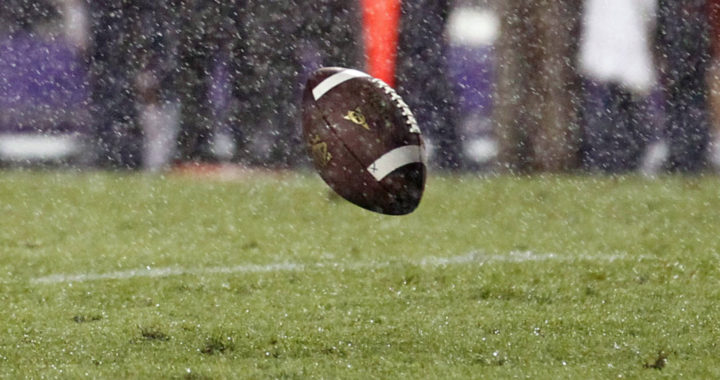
(400, 103)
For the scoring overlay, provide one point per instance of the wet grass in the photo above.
(133, 276)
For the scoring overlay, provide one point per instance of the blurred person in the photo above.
(128, 37)
(683, 47)
(537, 90)
(207, 32)
(265, 82)
(114, 63)
(422, 75)
(615, 57)
(156, 101)
(280, 40)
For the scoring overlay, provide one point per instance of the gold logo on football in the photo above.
(357, 117)
(320, 151)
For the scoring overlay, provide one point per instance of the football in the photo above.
(364, 141)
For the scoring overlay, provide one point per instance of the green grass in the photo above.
(267, 277)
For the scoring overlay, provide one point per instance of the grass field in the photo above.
(133, 276)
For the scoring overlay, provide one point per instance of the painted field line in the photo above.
(474, 257)
(165, 272)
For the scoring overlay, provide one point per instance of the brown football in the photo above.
(364, 141)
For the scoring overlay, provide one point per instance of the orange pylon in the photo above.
(380, 21)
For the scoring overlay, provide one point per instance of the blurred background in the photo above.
(603, 86)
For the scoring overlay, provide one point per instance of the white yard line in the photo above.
(474, 257)
(164, 272)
